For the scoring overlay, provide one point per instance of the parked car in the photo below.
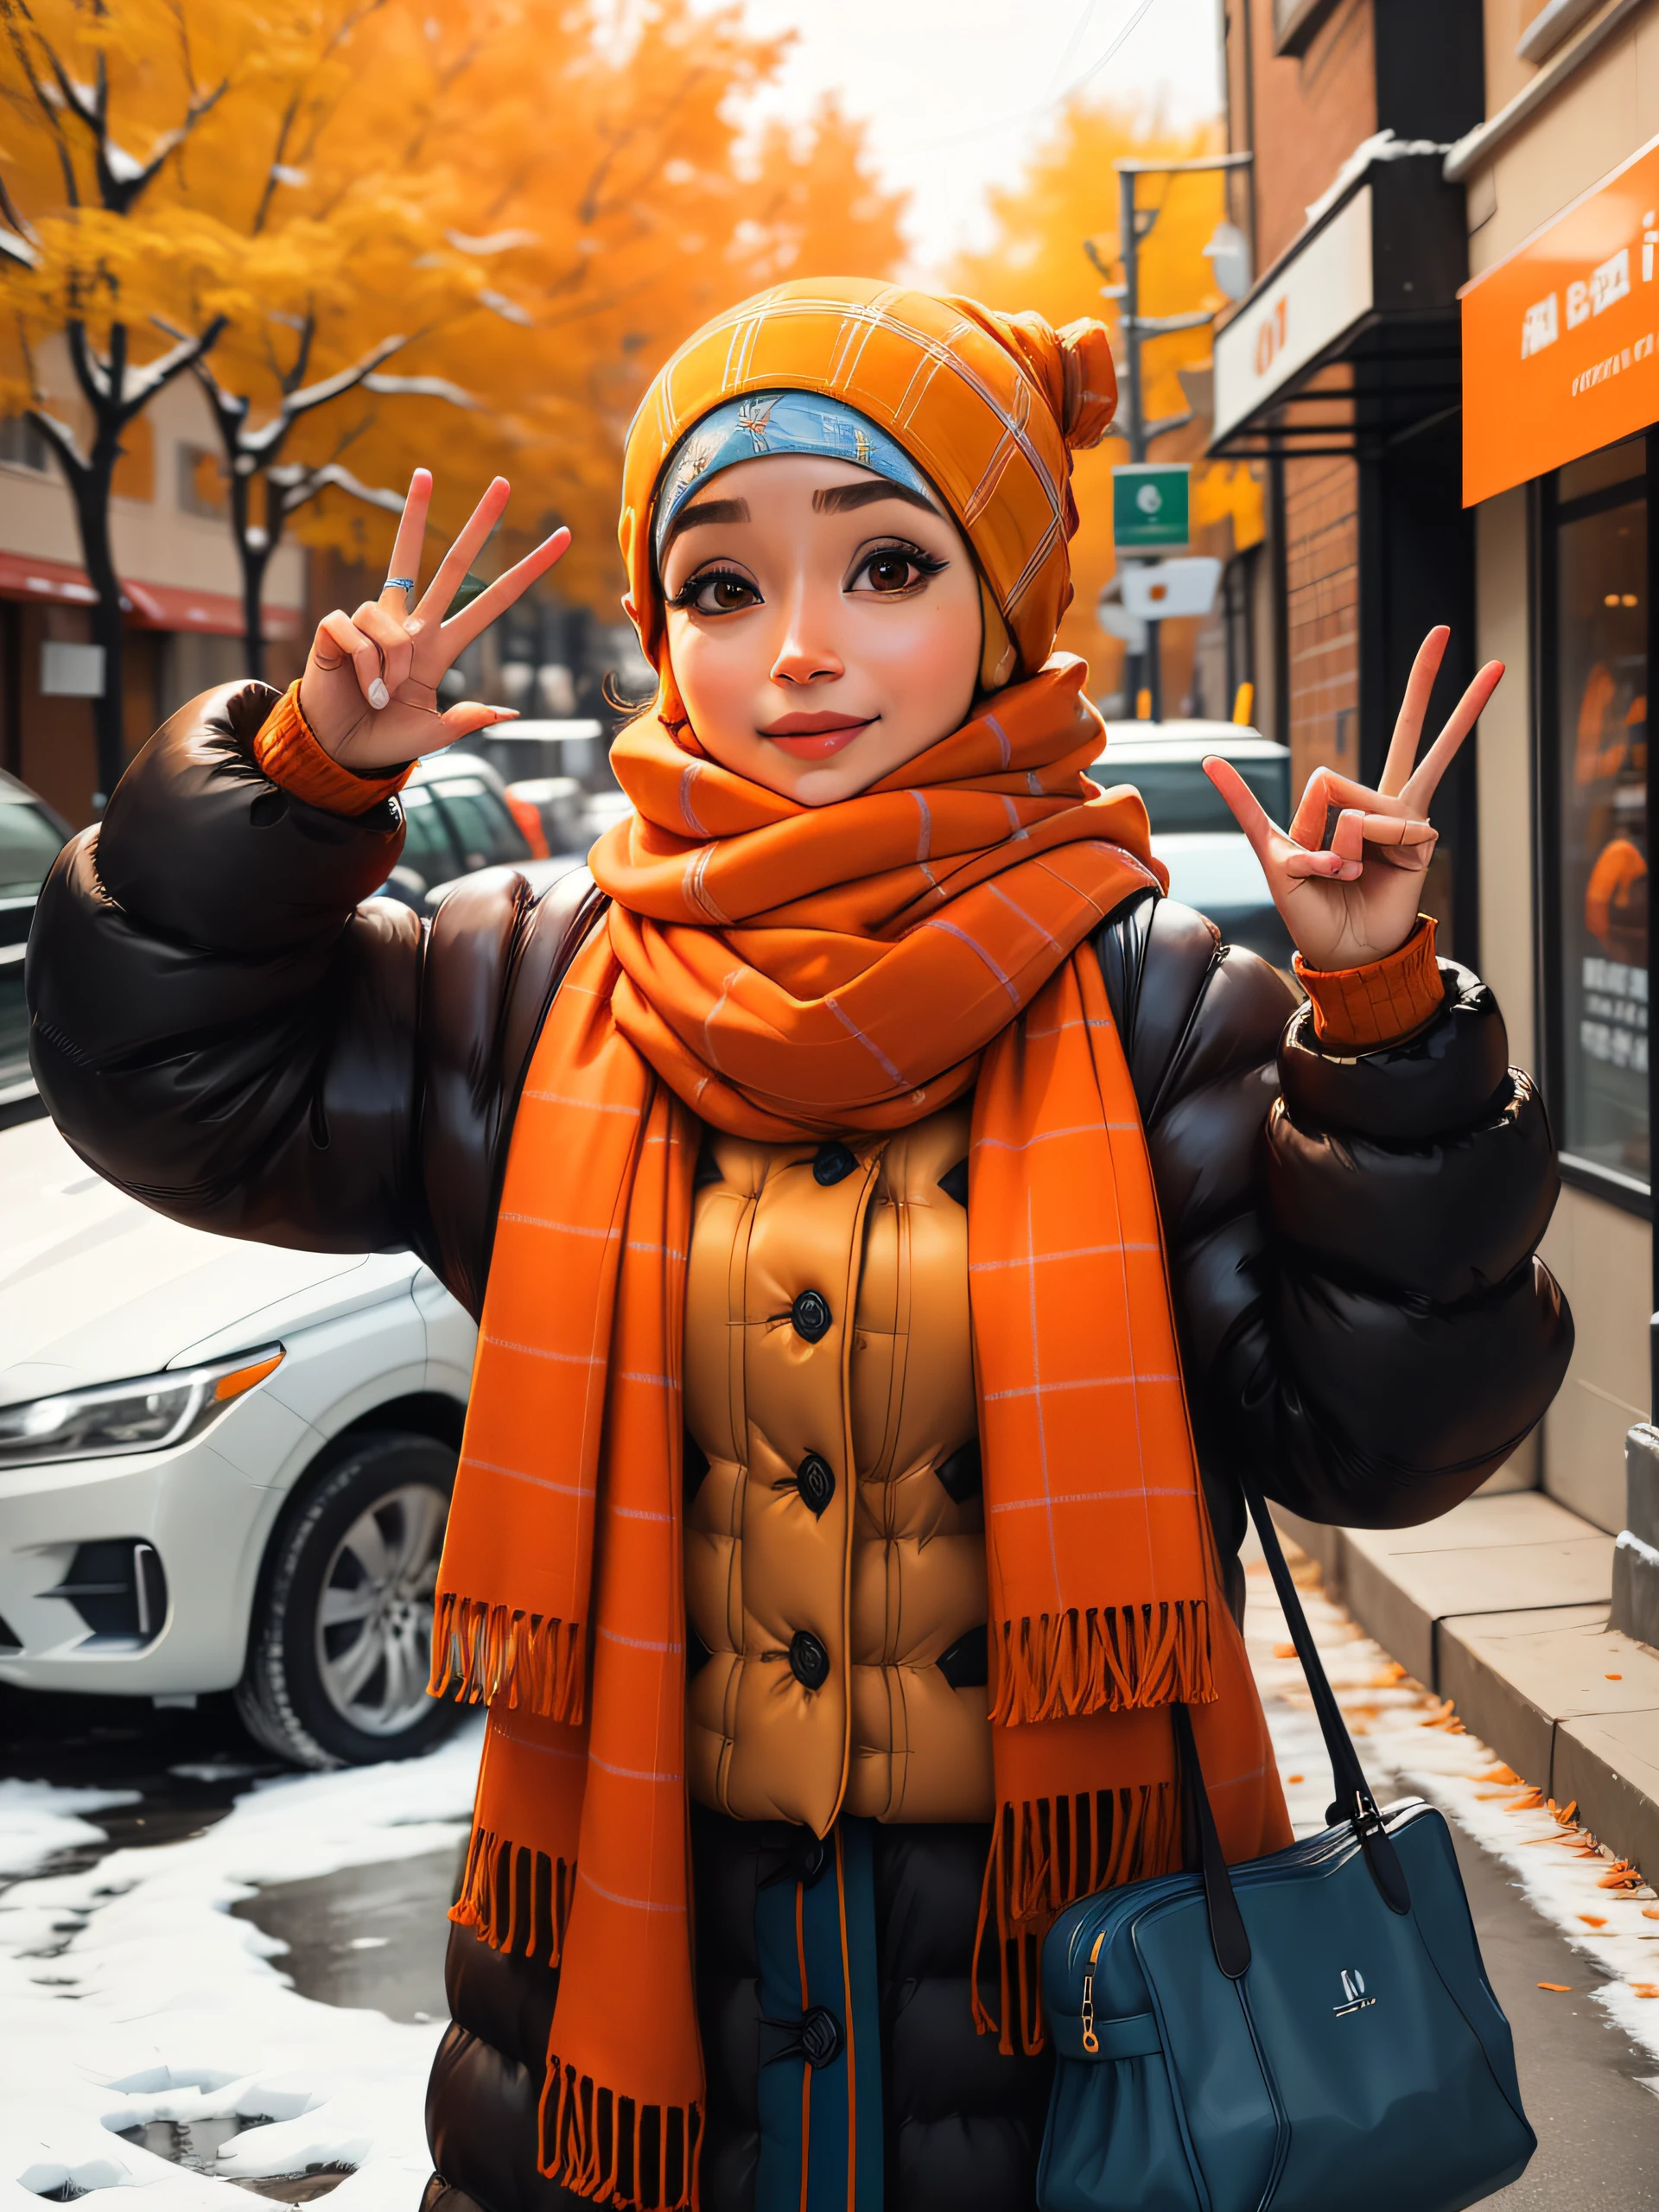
(223, 1466)
(459, 820)
(552, 811)
(31, 837)
(1210, 863)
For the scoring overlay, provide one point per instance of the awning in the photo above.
(1349, 344)
(150, 606)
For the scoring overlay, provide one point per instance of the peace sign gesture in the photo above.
(1347, 875)
(369, 690)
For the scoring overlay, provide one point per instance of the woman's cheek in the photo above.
(929, 663)
(717, 679)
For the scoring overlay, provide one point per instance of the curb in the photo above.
(1503, 1605)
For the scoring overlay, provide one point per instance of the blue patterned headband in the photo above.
(779, 421)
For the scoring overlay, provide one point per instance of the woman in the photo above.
(860, 1190)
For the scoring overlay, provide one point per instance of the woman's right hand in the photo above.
(369, 690)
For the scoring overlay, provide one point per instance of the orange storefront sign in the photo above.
(1558, 338)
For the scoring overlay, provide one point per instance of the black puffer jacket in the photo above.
(220, 1029)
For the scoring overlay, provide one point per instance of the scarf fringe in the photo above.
(599, 2145)
(1045, 1854)
(1109, 1659)
(514, 1899)
(480, 1651)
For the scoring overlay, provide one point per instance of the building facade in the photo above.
(178, 565)
(1448, 364)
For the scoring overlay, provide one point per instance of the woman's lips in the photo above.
(815, 737)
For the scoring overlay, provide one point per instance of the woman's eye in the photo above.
(719, 594)
(895, 568)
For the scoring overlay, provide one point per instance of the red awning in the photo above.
(152, 606)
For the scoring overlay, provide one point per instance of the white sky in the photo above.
(955, 92)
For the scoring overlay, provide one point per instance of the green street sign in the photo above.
(1149, 506)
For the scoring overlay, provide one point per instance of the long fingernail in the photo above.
(378, 695)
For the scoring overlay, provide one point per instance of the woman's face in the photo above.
(824, 624)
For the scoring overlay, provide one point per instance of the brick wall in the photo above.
(1310, 111)
(1322, 578)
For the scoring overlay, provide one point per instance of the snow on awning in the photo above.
(150, 606)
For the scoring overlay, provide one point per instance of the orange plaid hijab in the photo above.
(786, 972)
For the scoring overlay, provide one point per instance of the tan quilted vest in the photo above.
(835, 1548)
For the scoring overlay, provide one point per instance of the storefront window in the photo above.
(1600, 935)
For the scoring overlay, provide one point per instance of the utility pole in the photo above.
(1135, 224)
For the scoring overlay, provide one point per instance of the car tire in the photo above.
(339, 1645)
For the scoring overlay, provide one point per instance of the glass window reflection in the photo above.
(1601, 632)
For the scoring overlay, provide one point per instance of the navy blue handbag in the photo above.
(1307, 2031)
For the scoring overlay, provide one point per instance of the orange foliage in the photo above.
(1070, 193)
(540, 206)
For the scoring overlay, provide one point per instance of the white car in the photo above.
(1210, 863)
(223, 1466)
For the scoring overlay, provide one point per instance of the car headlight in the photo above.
(145, 1415)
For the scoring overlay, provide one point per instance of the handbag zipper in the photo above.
(1090, 2040)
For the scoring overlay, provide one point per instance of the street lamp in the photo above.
(1230, 258)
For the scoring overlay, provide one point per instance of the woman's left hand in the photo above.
(1347, 874)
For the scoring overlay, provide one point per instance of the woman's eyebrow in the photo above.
(706, 511)
(842, 498)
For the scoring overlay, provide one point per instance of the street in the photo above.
(212, 1967)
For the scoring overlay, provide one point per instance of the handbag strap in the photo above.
(1353, 1802)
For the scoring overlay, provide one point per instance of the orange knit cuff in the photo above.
(288, 754)
(1357, 1009)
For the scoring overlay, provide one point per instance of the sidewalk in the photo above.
(1502, 1607)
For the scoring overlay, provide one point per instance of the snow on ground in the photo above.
(38, 1821)
(129, 1994)
(1411, 1744)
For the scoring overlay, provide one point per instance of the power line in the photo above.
(1027, 115)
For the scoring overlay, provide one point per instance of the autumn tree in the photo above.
(1068, 196)
(99, 110)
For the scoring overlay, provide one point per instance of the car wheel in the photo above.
(342, 1640)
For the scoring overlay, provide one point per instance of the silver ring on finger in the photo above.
(399, 583)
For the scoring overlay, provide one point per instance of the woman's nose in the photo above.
(806, 655)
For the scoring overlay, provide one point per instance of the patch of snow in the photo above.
(124, 167)
(38, 1821)
(130, 1994)
(1411, 1743)
(1380, 146)
(214, 1771)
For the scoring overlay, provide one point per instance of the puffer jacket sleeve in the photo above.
(1352, 1238)
(226, 1023)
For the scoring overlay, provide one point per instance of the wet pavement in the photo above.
(1581, 2081)
(371, 1936)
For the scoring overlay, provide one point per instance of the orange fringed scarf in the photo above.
(786, 973)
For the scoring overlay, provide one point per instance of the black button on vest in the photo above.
(811, 1314)
(809, 1661)
(821, 2037)
(833, 1164)
(815, 1478)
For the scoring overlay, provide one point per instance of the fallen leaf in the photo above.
(1392, 1674)
(1295, 1777)
(1504, 1774)
(1284, 1652)
(1621, 1875)
(1612, 1678)
(1562, 1988)
(1593, 1919)
(1650, 1912)
(1645, 1989)
(1533, 1802)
